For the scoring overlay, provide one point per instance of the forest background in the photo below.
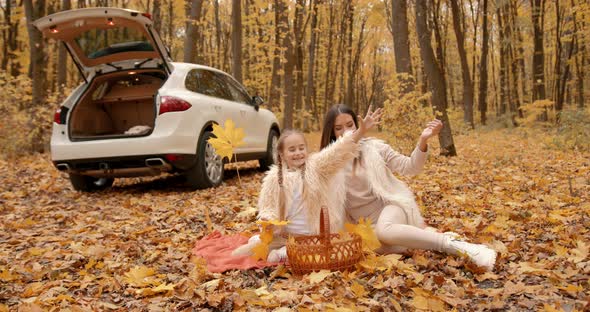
(475, 63)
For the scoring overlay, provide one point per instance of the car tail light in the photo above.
(173, 104)
(173, 157)
(57, 116)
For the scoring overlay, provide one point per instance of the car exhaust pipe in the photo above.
(155, 163)
(63, 167)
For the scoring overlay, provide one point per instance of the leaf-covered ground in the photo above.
(129, 248)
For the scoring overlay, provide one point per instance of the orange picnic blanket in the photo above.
(216, 249)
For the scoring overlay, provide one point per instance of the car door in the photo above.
(101, 40)
(257, 129)
(218, 98)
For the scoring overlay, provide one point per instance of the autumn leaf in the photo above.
(316, 277)
(226, 139)
(141, 276)
(365, 230)
(358, 289)
(162, 288)
(261, 250)
(580, 253)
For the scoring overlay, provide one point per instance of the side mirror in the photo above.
(257, 101)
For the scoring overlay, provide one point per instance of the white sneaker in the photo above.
(481, 255)
(277, 255)
(246, 249)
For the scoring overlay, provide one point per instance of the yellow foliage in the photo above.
(226, 139)
(365, 230)
(404, 115)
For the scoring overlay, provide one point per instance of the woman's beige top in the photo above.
(360, 200)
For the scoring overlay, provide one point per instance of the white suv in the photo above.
(138, 113)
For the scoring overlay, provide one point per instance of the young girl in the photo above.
(372, 191)
(297, 188)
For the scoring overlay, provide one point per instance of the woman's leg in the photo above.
(393, 231)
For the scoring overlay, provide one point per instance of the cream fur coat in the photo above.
(323, 184)
(383, 182)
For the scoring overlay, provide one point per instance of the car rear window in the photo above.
(97, 43)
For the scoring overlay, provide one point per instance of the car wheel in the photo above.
(208, 171)
(89, 184)
(271, 146)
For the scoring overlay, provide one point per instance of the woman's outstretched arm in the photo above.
(413, 164)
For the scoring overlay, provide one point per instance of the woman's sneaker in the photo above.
(479, 254)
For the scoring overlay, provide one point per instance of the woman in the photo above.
(373, 192)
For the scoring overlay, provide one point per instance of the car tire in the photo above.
(269, 160)
(208, 170)
(90, 184)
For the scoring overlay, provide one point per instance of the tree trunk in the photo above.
(218, 35)
(580, 73)
(298, 33)
(288, 68)
(512, 65)
(563, 61)
(467, 84)
(483, 72)
(503, 63)
(280, 30)
(157, 15)
(236, 39)
(310, 91)
(328, 98)
(62, 58)
(192, 32)
(401, 45)
(38, 66)
(538, 56)
(435, 79)
(170, 23)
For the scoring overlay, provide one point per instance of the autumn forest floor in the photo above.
(63, 250)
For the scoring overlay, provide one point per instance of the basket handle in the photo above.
(324, 223)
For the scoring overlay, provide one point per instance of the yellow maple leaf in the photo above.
(260, 251)
(226, 139)
(358, 289)
(141, 276)
(316, 277)
(580, 253)
(162, 288)
(365, 231)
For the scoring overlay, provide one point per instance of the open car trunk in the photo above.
(119, 104)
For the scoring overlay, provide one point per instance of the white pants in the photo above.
(396, 235)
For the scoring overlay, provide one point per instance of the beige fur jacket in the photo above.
(383, 182)
(323, 182)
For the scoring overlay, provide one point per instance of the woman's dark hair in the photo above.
(328, 135)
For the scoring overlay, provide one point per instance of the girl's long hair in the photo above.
(279, 151)
(328, 135)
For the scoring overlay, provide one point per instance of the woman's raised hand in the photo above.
(432, 129)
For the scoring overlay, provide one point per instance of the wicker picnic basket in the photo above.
(324, 251)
